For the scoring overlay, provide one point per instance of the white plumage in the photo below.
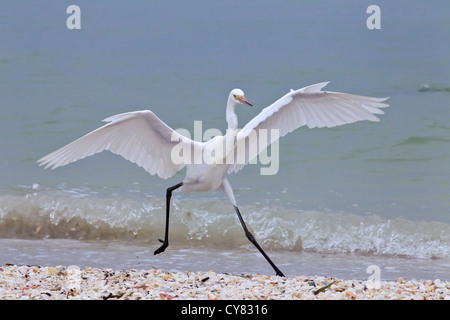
(142, 138)
(311, 107)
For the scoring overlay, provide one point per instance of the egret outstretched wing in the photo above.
(139, 136)
(307, 106)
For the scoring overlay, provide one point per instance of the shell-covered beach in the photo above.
(74, 283)
(347, 204)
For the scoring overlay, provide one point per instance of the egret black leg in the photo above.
(250, 237)
(165, 242)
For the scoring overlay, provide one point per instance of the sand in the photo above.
(72, 282)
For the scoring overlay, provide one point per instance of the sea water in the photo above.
(343, 198)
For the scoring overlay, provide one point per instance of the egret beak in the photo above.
(244, 100)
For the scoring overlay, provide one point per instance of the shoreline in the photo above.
(18, 282)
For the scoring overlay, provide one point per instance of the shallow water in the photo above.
(129, 255)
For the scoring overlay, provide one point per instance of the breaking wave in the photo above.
(45, 214)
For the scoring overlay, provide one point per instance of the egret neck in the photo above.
(231, 116)
(232, 121)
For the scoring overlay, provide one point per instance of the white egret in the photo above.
(142, 138)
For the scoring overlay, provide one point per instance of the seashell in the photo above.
(52, 271)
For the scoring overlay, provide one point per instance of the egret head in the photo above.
(237, 96)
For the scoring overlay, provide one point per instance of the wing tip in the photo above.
(314, 88)
(47, 164)
(41, 162)
(385, 105)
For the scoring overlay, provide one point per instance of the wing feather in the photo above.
(139, 136)
(307, 106)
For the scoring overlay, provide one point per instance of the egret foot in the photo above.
(163, 247)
